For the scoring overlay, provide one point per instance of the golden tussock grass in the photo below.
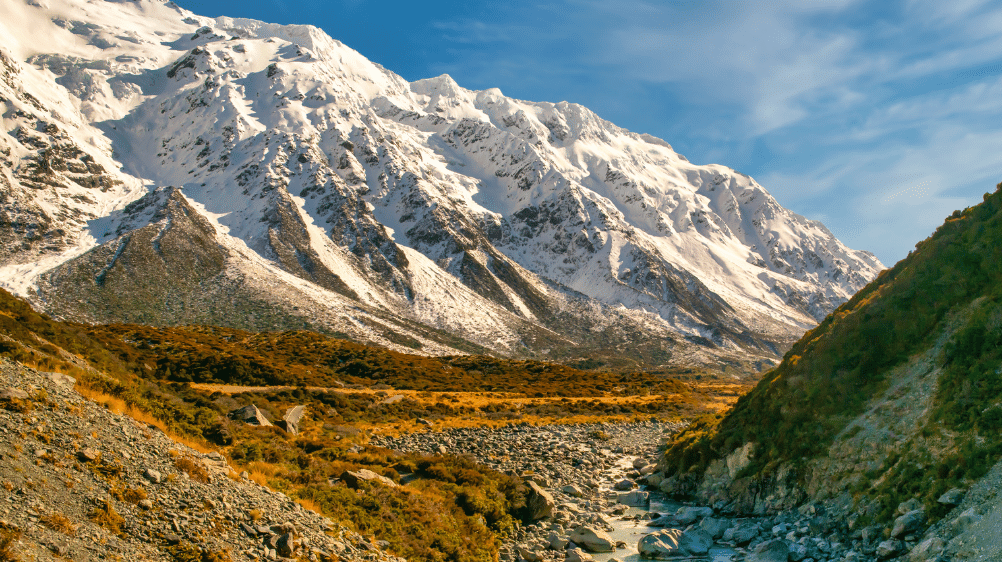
(59, 523)
(118, 406)
(310, 505)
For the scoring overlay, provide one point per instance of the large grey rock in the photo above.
(624, 485)
(661, 545)
(538, 502)
(910, 505)
(715, 527)
(674, 543)
(572, 490)
(529, 555)
(775, 550)
(635, 498)
(908, 523)
(353, 477)
(251, 415)
(886, 549)
(592, 540)
(927, 550)
(687, 515)
(639, 463)
(696, 541)
(556, 541)
(952, 497)
(742, 534)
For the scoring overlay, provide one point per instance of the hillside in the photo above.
(896, 395)
(164, 168)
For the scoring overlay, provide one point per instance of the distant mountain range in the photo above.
(165, 168)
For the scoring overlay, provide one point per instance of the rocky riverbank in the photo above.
(587, 481)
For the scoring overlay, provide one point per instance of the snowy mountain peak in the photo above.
(316, 188)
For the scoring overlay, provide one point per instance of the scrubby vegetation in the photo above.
(450, 509)
(825, 380)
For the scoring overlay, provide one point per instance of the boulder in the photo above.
(153, 475)
(696, 541)
(715, 527)
(572, 490)
(250, 415)
(529, 555)
(910, 505)
(635, 498)
(927, 550)
(556, 541)
(539, 503)
(674, 543)
(592, 540)
(661, 545)
(908, 523)
(88, 455)
(887, 549)
(578, 555)
(742, 534)
(353, 478)
(639, 463)
(624, 485)
(775, 550)
(952, 497)
(687, 515)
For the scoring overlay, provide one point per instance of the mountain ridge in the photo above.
(345, 199)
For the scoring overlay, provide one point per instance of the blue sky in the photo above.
(878, 118)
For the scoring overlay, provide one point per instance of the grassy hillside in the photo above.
(826, 379)
(182, 380)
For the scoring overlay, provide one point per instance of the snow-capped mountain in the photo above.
(158, 166)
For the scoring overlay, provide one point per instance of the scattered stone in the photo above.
(775, 550)
(572, 490)
(715, 527)
(952, 497)
(153, 475)
(639, 463)
(592, 540)
(624, 485)
(687, 515)
(556, 541)
(578, 555)
(908, 523)
(927, 550)
(887, 549)
(88, 455)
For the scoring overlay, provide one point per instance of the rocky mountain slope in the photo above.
(889, 410)
(82, 483)
(161, 167)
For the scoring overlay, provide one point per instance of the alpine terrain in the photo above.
(884, 420)
(165, 168)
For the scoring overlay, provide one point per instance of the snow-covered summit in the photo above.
(321, 189)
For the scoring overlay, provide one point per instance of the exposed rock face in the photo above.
(269, 177)
(250, 414)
